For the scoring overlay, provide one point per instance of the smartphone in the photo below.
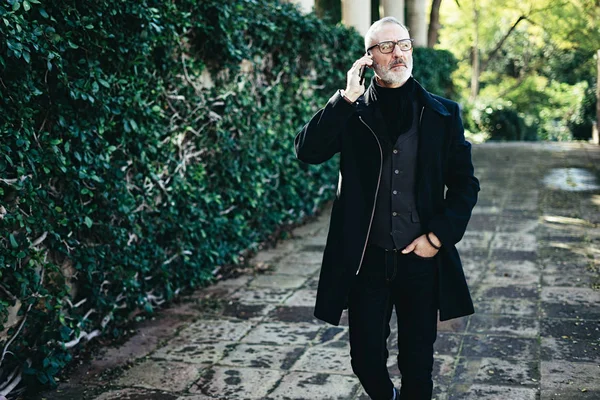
(362, 72)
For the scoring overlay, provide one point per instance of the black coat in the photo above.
(443, 160)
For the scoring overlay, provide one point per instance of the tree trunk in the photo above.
(394, 8)
(434, 23)
(475, 70)
(416, 22)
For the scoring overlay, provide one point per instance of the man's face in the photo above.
(392, 69)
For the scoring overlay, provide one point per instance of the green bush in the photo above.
(433, 69)
(143, 145)
(502, 124)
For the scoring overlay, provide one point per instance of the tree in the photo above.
(434, 23)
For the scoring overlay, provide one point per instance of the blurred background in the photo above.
(522, 70)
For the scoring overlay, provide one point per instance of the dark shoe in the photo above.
(396, 394)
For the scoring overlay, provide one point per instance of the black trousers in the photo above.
(390, 279)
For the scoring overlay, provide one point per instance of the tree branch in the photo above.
(494, 52)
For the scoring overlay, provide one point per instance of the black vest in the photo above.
(396, 221)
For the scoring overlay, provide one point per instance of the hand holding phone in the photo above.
(363, 71)
(355, 87)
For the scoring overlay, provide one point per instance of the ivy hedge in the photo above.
(143, 144)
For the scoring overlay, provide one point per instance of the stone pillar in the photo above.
(417, 22)
(357, 13)
(393, 8)
(306, 6)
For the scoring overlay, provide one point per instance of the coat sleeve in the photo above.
(450, 225)
(320, 138)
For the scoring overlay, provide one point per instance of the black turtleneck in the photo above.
(396, 105)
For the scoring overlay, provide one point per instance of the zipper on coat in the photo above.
(376, 192)
(378, 182)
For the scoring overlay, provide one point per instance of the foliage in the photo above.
(500, 121)
(437, 80)
(545, 66)
(145, 144)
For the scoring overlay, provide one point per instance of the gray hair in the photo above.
(377, 25)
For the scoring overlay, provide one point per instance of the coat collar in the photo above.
(367, 100)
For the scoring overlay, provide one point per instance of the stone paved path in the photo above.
(532, 257)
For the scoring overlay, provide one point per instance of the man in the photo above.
(393, 230)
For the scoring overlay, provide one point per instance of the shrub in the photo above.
(145, 144)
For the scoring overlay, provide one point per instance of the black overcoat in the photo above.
(443, 161)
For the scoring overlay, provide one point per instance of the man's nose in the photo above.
(397, 52)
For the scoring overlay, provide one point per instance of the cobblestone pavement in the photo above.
(531, 255)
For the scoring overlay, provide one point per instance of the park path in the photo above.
(532, 258)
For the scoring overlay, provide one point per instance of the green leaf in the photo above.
(104, 83)
(26, 57)
(43, 13)
(73, 45)
(16, 6)
(13, 241)
(26, 5)
(88, 222)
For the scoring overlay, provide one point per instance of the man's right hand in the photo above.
(353, 87)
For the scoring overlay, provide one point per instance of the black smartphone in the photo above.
(362, 72)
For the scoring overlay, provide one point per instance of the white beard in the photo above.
(391, 77)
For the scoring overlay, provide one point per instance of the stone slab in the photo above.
(323, 359)
(237, 383)
(507, 306)
(504, 325)
(494, 392)
(280, 333)
(259, 356)
(278, 281)
(193, 353)
(312, 386)
(136, 394)
(564, 376)
(502, 347)
(293, 314)
(211, 330)
(571, 349)
(257, 295)
(515, 241)
(163, 375)
(570, 329)
(496, 371)
(303, 298)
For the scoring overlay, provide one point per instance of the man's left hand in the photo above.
(422, 247)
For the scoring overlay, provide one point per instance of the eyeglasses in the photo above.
(389, 45)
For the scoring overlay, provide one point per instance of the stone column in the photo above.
(306, 6)
(357, 13)
(417, 23)
(393, 8)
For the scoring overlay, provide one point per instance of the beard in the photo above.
(391, 76)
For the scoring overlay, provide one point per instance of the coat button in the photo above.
(394, 213)
(396, 172)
